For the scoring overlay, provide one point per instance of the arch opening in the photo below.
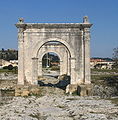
(54, 65)
(61, 55)
(50, 64)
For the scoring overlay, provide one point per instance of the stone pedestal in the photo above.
(84, 90)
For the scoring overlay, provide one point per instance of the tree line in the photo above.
(8, 54)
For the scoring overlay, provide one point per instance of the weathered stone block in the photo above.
(84, 89)
(71, 88)
(25, 93)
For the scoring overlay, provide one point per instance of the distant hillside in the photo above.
(9, 54)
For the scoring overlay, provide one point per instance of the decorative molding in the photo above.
(53, 25)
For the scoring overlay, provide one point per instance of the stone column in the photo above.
(34, 70)
(73, 75)
(82, 58)
(87, 56)
(39, 68)
(65, 62)
(21, 71)
(68, 63)
(61, 67)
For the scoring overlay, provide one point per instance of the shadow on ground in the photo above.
(63, 81)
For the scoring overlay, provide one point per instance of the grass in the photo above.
(105, 80)
(104, 70)
(61, 106)
(9, 71)
(114, 100)
(104, 76)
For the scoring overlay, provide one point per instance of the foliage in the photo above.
(55, 68)
(115, 57)
(8, 69)
(8, 54)
(104, 70)
(105, 77)
(48, 59)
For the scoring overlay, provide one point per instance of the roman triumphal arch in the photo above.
(74, 51)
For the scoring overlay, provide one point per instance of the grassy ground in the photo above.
(99, 76)
(9, 71)
(104, 70)
(114, 101)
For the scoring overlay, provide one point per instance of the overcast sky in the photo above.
(103, 14)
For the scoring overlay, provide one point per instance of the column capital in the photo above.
(21, 30)
(20, 36)
(21, 25)
(86, 34)
(86, 30)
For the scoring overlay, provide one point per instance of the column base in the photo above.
(81, 90)
(84, 90)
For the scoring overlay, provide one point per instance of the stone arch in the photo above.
(42, 54)
(74, 36)
(64, 61)
(40, 44)
(72, 58)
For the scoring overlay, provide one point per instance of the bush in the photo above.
(9, 67)
(5, 67)
(55, 68)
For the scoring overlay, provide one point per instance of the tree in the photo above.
(10, 67)
(115, 57)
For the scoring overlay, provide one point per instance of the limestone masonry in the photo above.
(74, 54)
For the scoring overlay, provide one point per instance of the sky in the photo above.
(103, 14)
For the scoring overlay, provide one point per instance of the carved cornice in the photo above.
(21, 25)
(53, 25)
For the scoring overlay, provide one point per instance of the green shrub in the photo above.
(55, 68)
